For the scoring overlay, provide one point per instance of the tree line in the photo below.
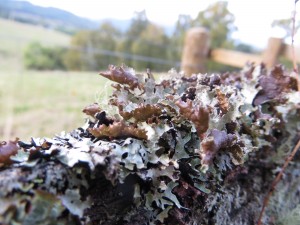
(143, 45)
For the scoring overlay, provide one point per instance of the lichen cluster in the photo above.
(181, 150)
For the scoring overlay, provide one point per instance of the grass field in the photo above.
(41, 104)
(38, 104)
(14, 38)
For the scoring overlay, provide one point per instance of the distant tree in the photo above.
(138, 24)
(77, 58)
(183, 23)
(93, 50)
(242, 47)
(219, 21)
(152, 42)
(40, 57)
(286, 26)
(104, 42)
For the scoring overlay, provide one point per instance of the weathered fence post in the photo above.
(195, 51)
(272, 52)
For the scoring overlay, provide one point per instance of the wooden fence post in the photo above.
(195, 51)
(272, 52)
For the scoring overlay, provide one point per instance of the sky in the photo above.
(253, 18)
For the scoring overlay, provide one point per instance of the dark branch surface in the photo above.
(199, 150)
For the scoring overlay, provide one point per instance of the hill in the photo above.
(15, 36)
(58, 19)
(49, 17)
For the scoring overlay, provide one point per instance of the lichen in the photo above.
(181, 150)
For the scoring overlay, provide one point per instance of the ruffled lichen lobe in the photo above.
(183, 150)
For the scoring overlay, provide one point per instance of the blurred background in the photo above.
(52, 51)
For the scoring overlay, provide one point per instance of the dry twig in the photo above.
(276, 181)
(295, 66)
(291, 156)
(293, 35)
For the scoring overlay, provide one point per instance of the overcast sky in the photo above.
(253, 18)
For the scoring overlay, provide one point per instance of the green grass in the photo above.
(12, 32)
(15, 37)
(38, 104)
(41, 104)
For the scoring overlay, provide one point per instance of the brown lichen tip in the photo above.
(215, 141)
(92, 109)
(223, 103)
(274, 85)
(7, 149)
(142, 113)
(118, 130)
(197, 115)
(121, 75)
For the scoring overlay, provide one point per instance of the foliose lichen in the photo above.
(182, 150)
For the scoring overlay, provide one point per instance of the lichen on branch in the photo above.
(118, 130)
(121, 75)
(7, 149)
(198, 115)
(176, 151)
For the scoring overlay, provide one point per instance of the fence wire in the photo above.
(105, 52)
